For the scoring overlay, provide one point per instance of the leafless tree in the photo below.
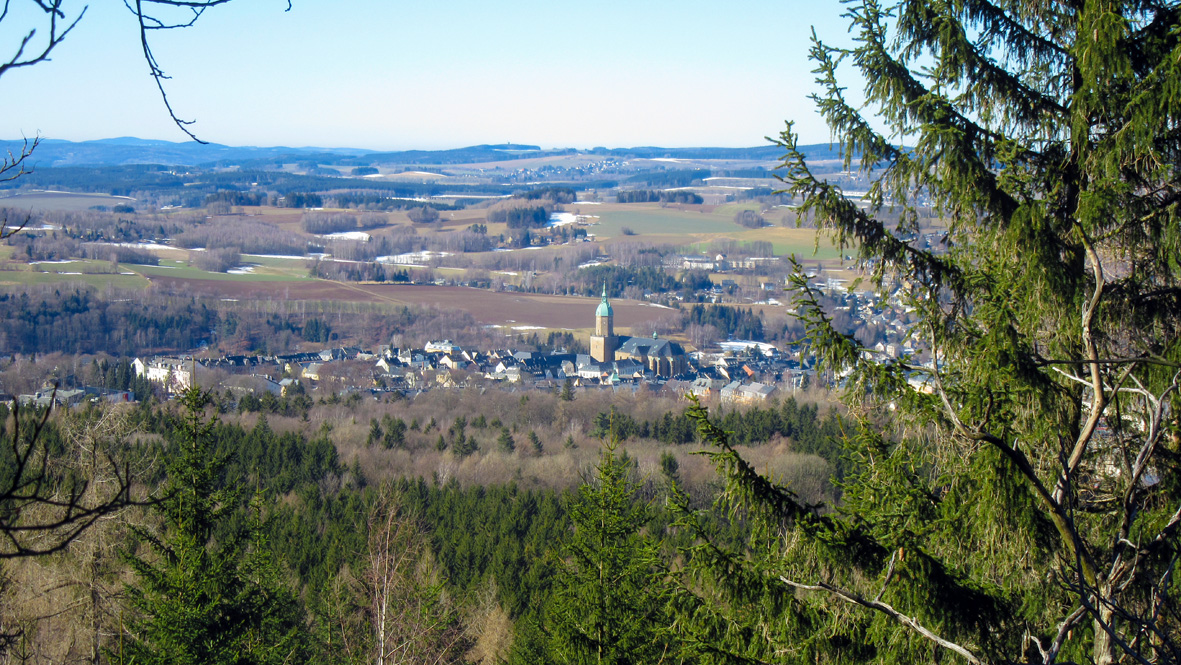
(412, 621)
(58, 20)
(42, 511)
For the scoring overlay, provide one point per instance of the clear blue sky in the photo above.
(398, 75)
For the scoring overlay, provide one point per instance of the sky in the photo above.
(388, 75)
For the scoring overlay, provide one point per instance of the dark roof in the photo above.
(644, 346)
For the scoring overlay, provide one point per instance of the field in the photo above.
(64, 201)
(488, 307)
(698, 226)
(269, 269)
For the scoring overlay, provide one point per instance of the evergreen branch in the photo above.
(1058, 515)
(879, 606)
(997, 21)
(924, 26)
(959, 143)
(873, 238)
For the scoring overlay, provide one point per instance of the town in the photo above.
(730, 371)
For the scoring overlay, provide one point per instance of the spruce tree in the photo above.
(1012, 493)
(506, 441)
(610, 603)
(201, 599)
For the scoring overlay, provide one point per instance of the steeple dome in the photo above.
(604, 306)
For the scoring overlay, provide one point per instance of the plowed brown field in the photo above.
(487, 307)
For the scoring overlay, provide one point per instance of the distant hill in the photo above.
(130, 150)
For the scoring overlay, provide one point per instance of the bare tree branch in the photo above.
(886, 609)
(40, 513)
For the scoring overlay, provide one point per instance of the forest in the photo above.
(308, 536)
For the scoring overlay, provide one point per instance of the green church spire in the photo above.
(604, 306)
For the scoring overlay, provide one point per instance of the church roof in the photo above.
(644, 346)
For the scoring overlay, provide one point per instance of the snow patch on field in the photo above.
(43, 227)
(412, 258)
(137, 245)
(277, 256)
(241, 270)
(348, 235)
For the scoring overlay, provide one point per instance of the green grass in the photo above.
(728, 210)
(181, 270)
(661, 222)
(99, 280)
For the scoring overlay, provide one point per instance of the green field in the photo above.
(65, 273)
(181, 270)
(662, 222)
(698, 229)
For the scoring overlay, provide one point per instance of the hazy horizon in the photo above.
(431, 77)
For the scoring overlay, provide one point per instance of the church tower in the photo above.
(604, 342)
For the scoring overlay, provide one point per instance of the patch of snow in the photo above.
(141, 245)
(69, 273)
(412, 258)
(348, 235)
(472, 196)
(740, 345)
(656, 304)
(35, 263)
(528, 328)
(241, 270)
(276, 256)
(672, 160)
(43, 227)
